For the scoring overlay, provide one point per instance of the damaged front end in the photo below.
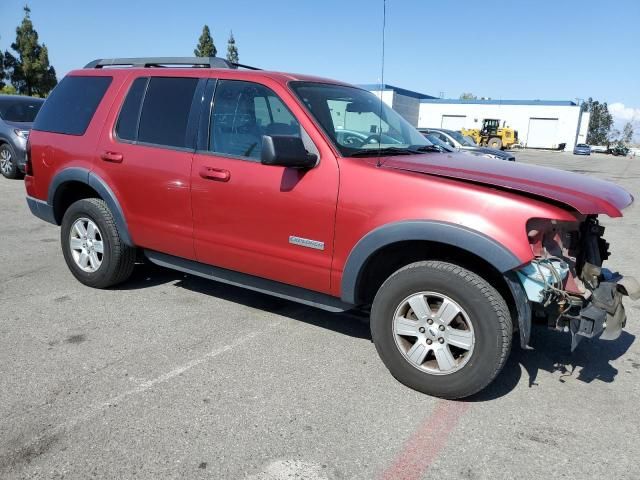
(567, 284)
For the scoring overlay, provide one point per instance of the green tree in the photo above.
(468, 96)
(600, 122)
(627, 132)
(232, 50)
(29, 71)
(205, 47)
(2, 73)
(8, 90)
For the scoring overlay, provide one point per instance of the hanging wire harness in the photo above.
(567, 284)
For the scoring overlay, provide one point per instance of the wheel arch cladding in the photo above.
(445, 233)
(86, 177)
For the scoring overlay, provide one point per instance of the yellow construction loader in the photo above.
(492, 134)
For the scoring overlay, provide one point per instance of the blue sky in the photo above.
(554, 50)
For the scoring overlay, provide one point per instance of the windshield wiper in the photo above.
(378, 152)
(426, 148)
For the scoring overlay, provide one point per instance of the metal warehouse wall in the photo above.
(538, 126)
(408, 107)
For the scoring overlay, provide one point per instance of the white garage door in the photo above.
(543, 133)
(453, 122)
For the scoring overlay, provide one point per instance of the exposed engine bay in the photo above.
(567, 283)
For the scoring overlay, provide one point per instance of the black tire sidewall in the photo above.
(86, 209)
(489, 339)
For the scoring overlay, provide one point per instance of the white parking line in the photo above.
(143, 387)
(290, 469)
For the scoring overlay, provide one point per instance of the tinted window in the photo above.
(242, 113)
(71, 105)
(127, 127)
(19, 109)
(165, 112)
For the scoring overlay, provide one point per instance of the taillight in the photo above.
(28, 169)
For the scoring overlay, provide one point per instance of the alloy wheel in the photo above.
(433, 333)
(6, 161)
(87, 247)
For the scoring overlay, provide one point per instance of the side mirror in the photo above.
(286, 151)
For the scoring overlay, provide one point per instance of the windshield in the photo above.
(436, 141)
(461, 139)
(357, 121)
(19, 109)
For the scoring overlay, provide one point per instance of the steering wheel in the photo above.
(375, 136)
(352, 140)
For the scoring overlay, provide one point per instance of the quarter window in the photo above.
(127, 127)
(242, 113)
(70, 107)
(165, 111)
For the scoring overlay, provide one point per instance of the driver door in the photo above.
(254, 218)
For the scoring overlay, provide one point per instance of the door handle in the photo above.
(217, 174)
(113, 157)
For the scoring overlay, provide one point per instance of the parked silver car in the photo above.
(460, 142)
(582, 149)
(17, 114)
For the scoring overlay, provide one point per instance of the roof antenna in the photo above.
(384, 24)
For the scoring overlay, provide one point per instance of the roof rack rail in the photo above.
(149, 62)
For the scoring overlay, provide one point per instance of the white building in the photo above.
(540, 123)
(405, 102)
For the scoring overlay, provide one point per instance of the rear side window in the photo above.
(19, 109)
(127, 127)
(165, 111)
(70, 107)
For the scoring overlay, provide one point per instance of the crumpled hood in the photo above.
(489, 150)
(585, 194)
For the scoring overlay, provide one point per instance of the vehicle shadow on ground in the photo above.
(149, 275)
(551, 353)
(550, 350)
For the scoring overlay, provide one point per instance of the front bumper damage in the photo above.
(567, 284)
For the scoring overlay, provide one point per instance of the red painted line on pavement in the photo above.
(425, 444)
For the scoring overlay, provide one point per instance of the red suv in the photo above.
(315, 191)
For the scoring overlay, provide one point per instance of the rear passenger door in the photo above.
(147, 157)
(268, 221)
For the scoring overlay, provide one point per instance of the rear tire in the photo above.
(8, 166)
(495, 142)
(466, 343)
(92, 246)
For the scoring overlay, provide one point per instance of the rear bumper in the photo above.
(41, 209)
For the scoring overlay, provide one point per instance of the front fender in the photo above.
(446, 233)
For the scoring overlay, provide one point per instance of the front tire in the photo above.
(92, 246)
(496, 143)
(441, 329)
(8, 166)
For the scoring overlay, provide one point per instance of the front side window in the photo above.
(445, 139)
(461, 139)
(165, 111)
(358, 122)
(242, 113)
